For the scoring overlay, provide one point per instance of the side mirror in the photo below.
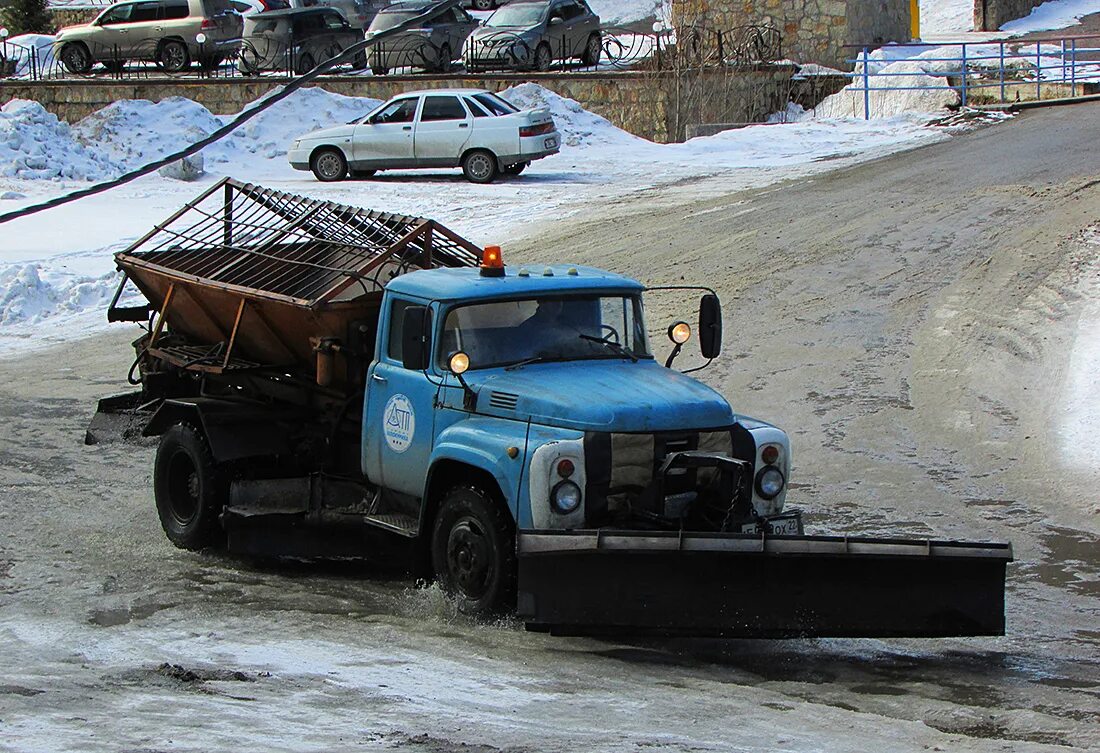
(556, 20)
(415, 337)
(710, 326)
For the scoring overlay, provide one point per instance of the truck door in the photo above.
(399, 422)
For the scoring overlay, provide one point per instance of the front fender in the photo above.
(483, 443)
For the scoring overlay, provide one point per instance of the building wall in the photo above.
(656, 106)
(814, 31)
(991, 15)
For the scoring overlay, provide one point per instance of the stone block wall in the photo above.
(991, 15)
(814, 31)
(655, 106)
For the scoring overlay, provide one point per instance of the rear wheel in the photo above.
(76, 58)
(190, 490)
(592, 49)
(329, 165)
(473, 552)
(305, 64)
(172, 56)
(544, 58)
(480, 166)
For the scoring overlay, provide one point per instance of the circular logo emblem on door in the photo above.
(398, 423)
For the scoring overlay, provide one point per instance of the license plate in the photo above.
(550, 143)
(785, 525)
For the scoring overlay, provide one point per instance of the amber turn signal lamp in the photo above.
(492, 263)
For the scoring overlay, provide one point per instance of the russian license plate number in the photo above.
(550, 143)
(786, 526)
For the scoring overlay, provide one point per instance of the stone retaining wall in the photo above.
(656, 106)
(991, 15)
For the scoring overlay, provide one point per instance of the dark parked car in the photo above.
(532, 34)
(296, 39)
(432, 47)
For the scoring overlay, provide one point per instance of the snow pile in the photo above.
(27, 298)
(913, 87)
(35, 145)
(134, 132)
(621, 12)
(1056, 14)
(31, 51)
(578, 126)
(946, 16)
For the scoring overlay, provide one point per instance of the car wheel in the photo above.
(484, 4)
(359, 62)
(480, 166)
(189, 488)
(378, 70)
(592, 49)
(305, 64)
(329, 165)
(172, 56)
(544, 58)
(473, 552)
(516, 169)
(443, 63)
(76, 58)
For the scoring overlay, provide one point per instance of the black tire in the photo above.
(516, 169)
(592, 49)
(305, 64)
(76, 58)
(172, 56)
(329, 165)
(474, 552)
(544, 57)
(359, 62)
(378, 70)
(484, 4)
(190, 489)
(443, 62)
(480, 166)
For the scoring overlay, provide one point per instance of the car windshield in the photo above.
(385, 21)
(523, 14)
(574, 328)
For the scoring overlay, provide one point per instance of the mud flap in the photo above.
(752, 586)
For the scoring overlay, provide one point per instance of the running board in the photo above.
(752, 586)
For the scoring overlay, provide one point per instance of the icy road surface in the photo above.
(919, 325)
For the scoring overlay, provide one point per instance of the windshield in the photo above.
(385, 21)
(574, 328)
(525, 14)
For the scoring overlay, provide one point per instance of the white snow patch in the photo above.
(946, 16)
(35, 145)
(620, 12)
(33, 54)
(1081, 414)
(1057, 14)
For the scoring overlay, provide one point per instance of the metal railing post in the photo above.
(866, 88)
(1073, 67)
(1038, 70)
(1002, 72)
(963, 96)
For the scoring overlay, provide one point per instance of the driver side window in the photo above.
(401, 111)
(119, 15)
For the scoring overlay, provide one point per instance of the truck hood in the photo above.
(605, 395)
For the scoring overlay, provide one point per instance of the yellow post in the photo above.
(914, 20)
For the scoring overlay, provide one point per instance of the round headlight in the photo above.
(565, 497)
(679, 333)
(459, 363)
(769, 482)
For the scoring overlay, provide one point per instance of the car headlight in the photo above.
(296, 144)
(565, 497)
(769, 482)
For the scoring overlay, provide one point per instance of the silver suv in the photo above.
(532, 34)
(171, 33)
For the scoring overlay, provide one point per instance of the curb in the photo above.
(1035, 104)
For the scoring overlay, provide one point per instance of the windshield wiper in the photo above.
(616, 347)
(525, 361)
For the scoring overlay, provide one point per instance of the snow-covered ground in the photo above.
(946, 17)
(56, 270)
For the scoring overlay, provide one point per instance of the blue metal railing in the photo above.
(972, 69)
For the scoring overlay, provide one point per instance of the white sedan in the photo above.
(468, 128)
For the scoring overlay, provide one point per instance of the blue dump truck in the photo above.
(327, 381)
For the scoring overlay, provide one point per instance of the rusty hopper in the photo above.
(245, 277)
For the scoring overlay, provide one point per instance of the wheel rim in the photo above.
(183, 488)
(329, 165)
(480, 166)
(75, 58)
(542, 58)
(173, 57)
(469, 558)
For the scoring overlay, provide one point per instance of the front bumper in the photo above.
(758, 586)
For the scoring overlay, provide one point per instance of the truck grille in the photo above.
(503, 400)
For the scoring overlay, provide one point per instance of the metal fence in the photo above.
(613, 49)
(980, 73)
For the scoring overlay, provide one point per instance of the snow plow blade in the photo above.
(748, 586)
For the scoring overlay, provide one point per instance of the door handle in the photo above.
(463, 125)
(378, 378)
(406, 128)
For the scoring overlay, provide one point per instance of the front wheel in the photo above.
(305, 64)
(592, 49)
(76, 58)
(479, 166)
(329, 165)
(544, 58)
(189, 488)
(172, 56)
(483, 4)
(473, 552)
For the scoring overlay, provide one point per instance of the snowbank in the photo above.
(1056, 14)
(30, 50)
(621, 12)
(578, 126)
(35, 145)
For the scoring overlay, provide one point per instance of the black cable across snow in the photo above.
(270, 99)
